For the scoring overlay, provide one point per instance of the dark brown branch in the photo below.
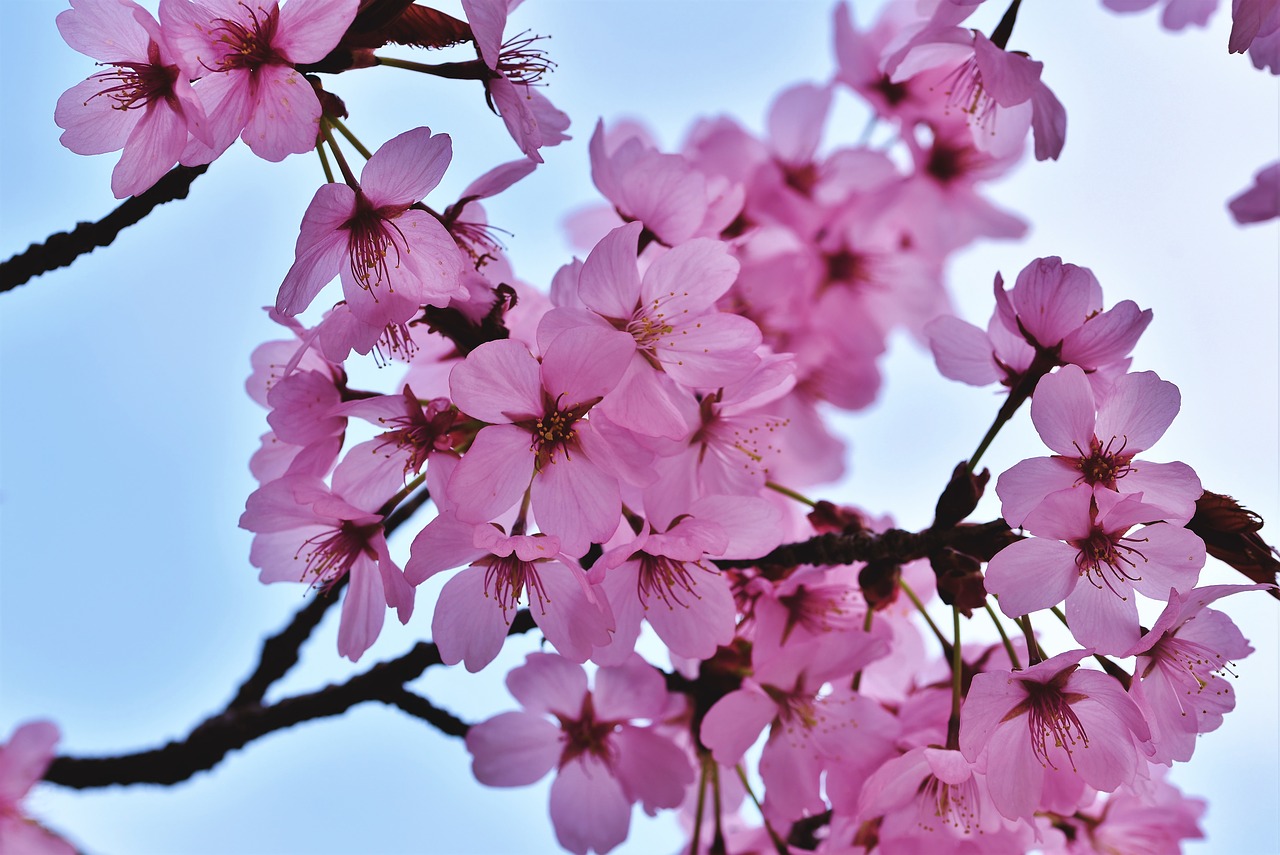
(419, 707)
(65, 247)
(280, 651)
(236, 727)
(891, 545)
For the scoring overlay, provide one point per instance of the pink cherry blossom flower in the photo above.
(517, 66)
(539, 437)
(1261, 202)
(1251, 22)
(604, 761)
(142, 103)
(1099, 451)
(998, 91)
(23, 761)
(245, 52)
(672, 316)
(1181, 673)
(392, 258)
(1084, 554)
(675, 200)
(477, 606)
(1052, 316)
(306, 532)
(1050, 718)
(666, 577)
(1151, 817)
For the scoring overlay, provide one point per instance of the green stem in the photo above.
(351, 138)
(957, 672)
(866, 627)
(1034, 654)
(1004, 637)
(911, 595)
(778, 843)
(324, 164)
(791, 494)
(347, 174)
(702, 801)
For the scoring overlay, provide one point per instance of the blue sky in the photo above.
(128, 609)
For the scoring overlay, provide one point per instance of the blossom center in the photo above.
(521, 62)
(585, 735)
(1103, 549)
(508, 578)
(666, 579)
(247, 45)
(1050, 717)
(137, 84)
(329, 556)
(1103, 464)
(371, 237)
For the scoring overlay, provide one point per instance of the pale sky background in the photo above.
(128, 609)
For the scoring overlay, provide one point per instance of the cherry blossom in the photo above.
(604, 761)
(1051, 720)
(244, 51)
(391, 257)
(143, 103)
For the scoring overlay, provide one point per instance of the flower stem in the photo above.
(1004, 637)
(351, 138)
(957, 671)
(778, 843)
(324, 164)
(1034, 654)
(470, 70)
(791, 494)
(347, 174)
(911, 595)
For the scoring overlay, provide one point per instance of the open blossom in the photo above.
(306, 532)
(516, 67)
(1049, 730)
(1182, 671)
(999, 91)
(392, 258)
(244, 51)
(1085, 554)
(141, 103)
(23, 761)
(539, 437)
(477, 606)
(603, 761)
(1097, 450)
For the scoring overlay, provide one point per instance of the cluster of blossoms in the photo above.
(612, 451)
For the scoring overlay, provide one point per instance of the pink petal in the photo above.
(406, 168)
(445, 543)
(105, 30)
(690, 278)
(1015, 777)
(1107, 337)
(1032, 574)
(575, 500)
(796, 120)
(584, 364)
(1138, 411)
(488, 18)
(1103, 618)
(498, 382)
(549, 684)
(734, 723)
(364, 607)
(469, 625)
(498, 179)
(653, 769)
(286, 114)
(513, 749)
(694, 623)
(1023, 487)
(1063, 411)
(25, 757)
(609, 282)
(588, 808)
(1048, 123)
(961, 351)
(493, 473)
(633, 689)
(309, 29)
(91, 125)
(1007, 77)
(516, 110)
